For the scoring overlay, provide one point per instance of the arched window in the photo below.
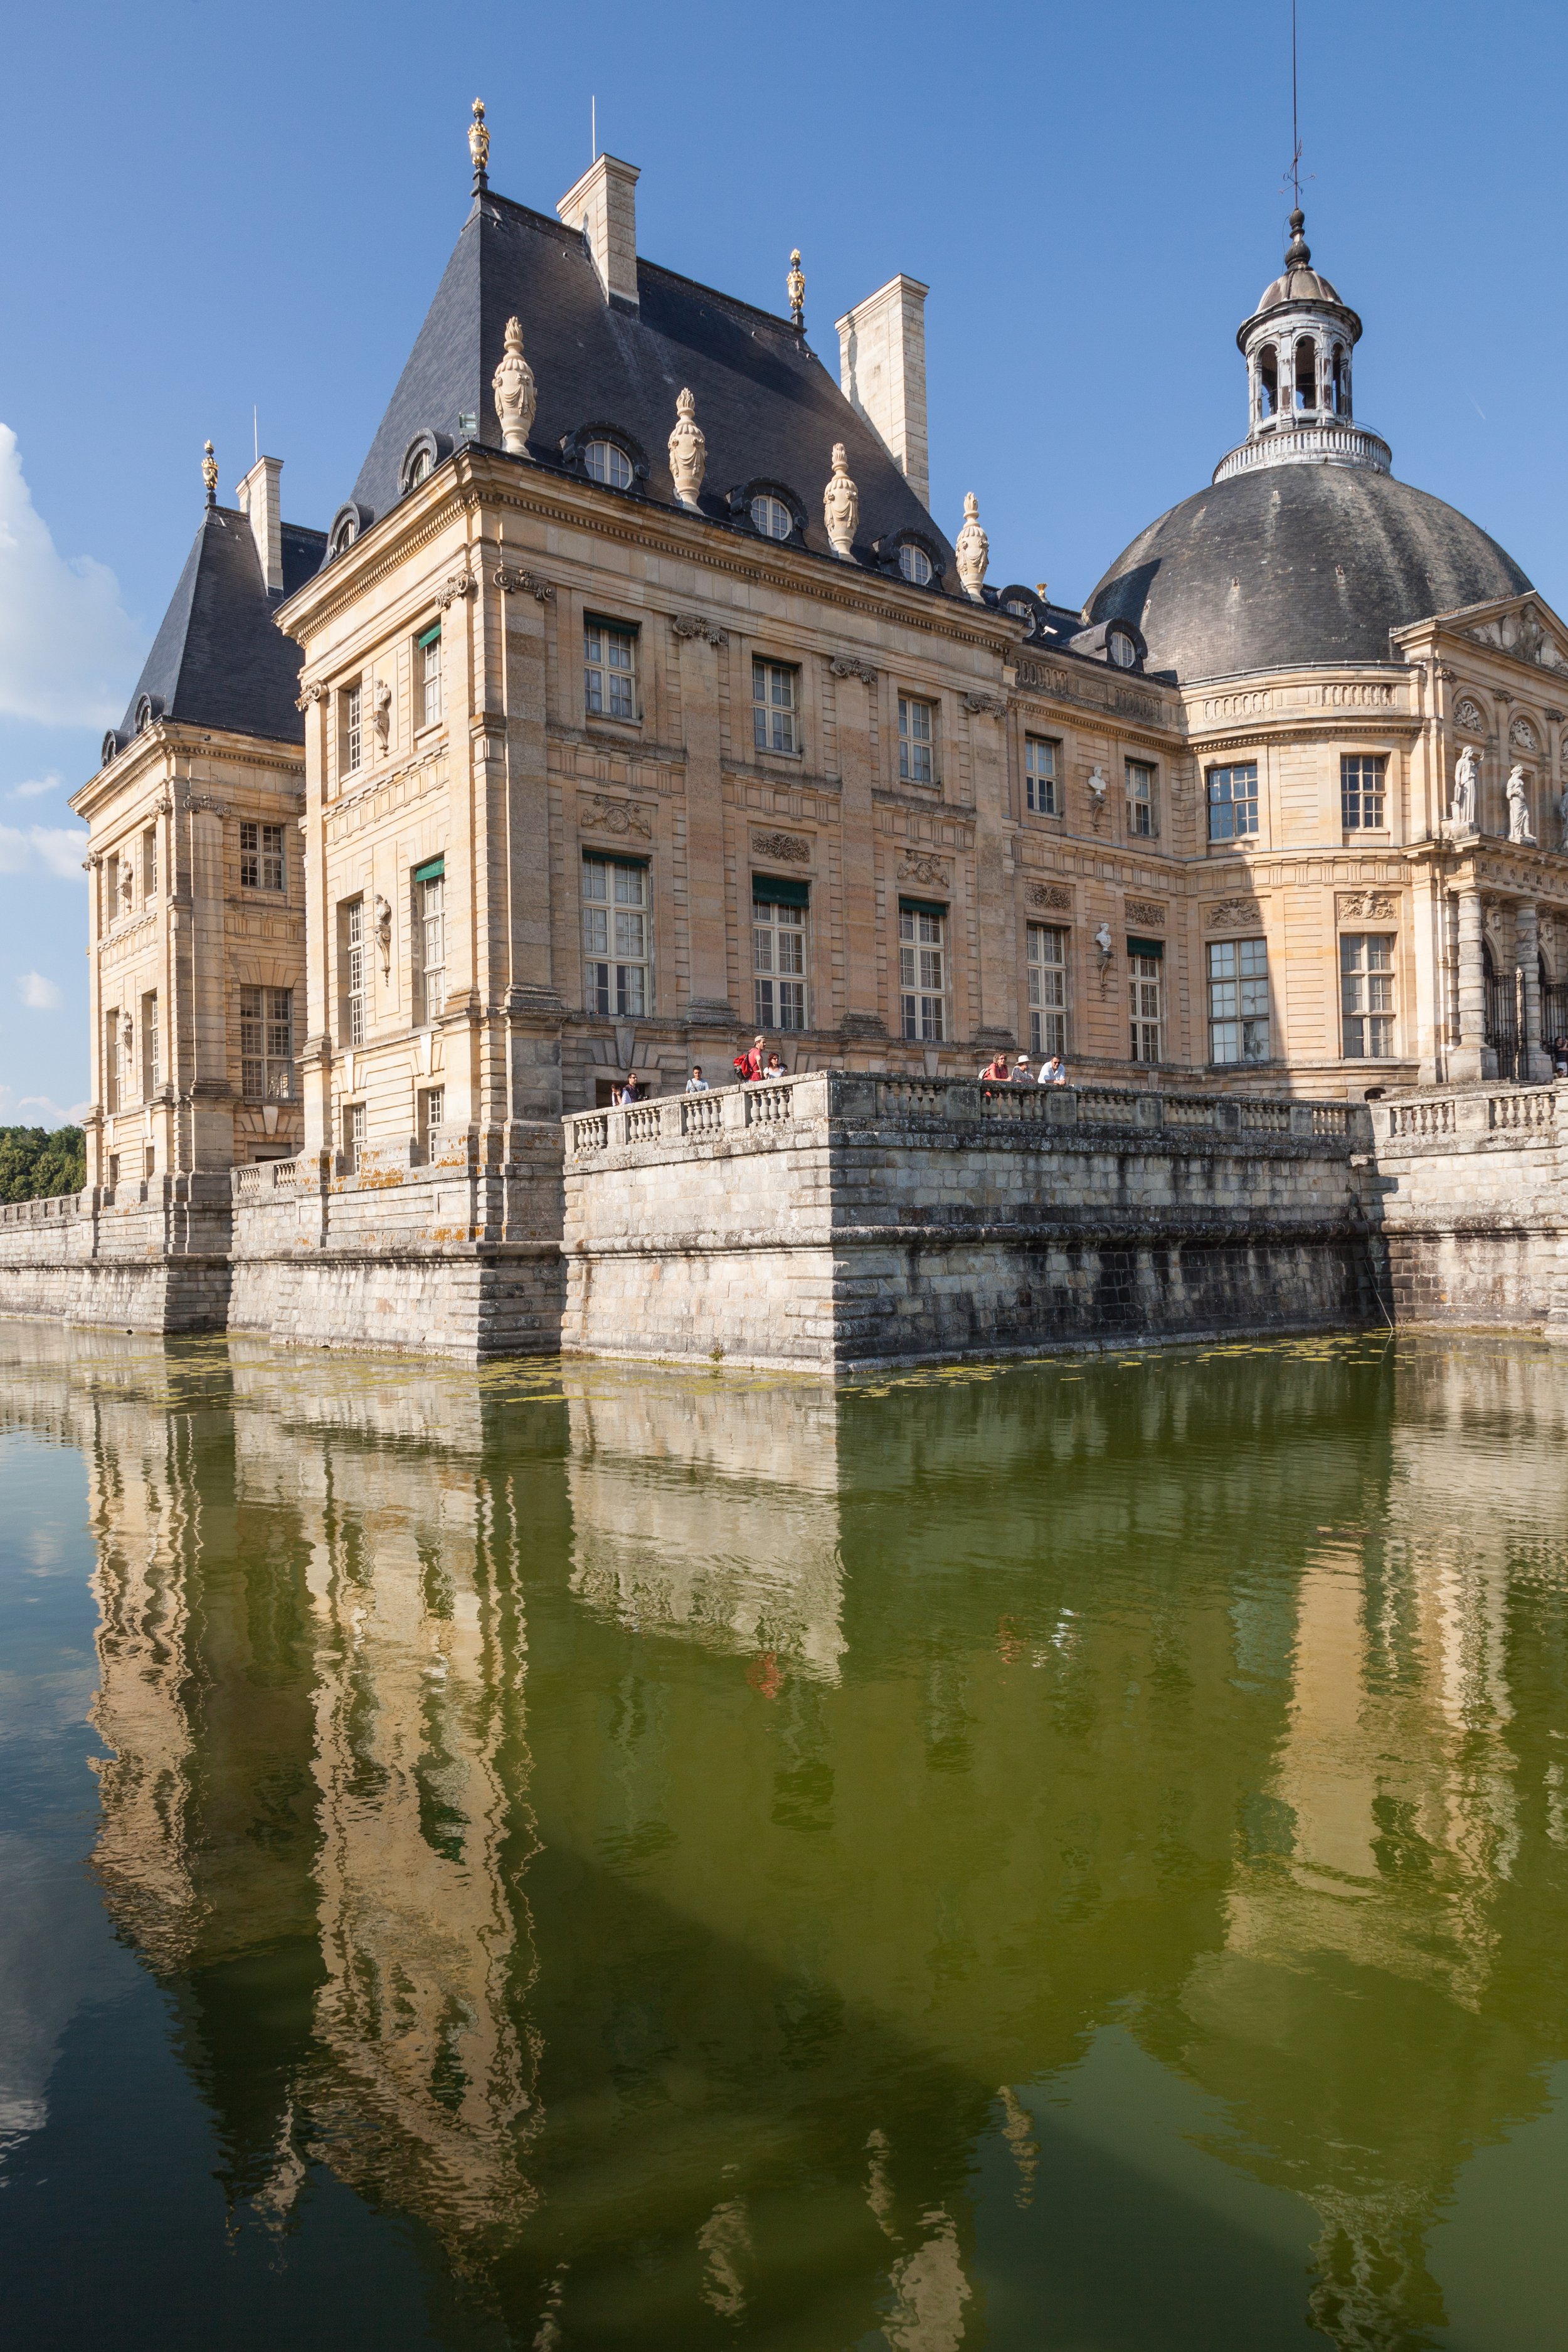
(1337, 380)
(770, 515)
(607, 462)
(914, 563)
(1268, 379)
(1306, 373)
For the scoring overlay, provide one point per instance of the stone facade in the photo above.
(836, 1220)
(1473, 1211)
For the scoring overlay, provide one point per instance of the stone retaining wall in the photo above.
(151, 1257)
(838, 1219)
(1472, 1209)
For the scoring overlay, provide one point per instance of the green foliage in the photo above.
(33, 1164)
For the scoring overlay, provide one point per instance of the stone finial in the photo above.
(513, 391)
(688, 452)
(972, 551)
(795, 286)
(841, 507)
(480, 146)
(209, 474)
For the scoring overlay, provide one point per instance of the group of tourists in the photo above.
(999, 1072)
(759, 1062)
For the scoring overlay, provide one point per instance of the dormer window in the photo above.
(1120, 649)
(420, 459)
(608, 463)
(144, 714)
(419, 471)
(770, 515)
(914, 564)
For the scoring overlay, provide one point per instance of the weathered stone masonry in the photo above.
(839, 1219)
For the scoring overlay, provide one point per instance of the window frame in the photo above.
(923, 1012)
(269, 1055)
(1238, 1014)
(1047, 1013)
(604, 480)
(601, 625)
(910, 555)
(354, 946)
(429, 1114)
(355, 1137)
(1384, 979)
(1359, 793)
(354, 726)
(265, 853)
(775, 506)
(149, 863)
(911, 745)
(1036, 801)
(1145, 807)
(768, 711)
(151, 1045)
(609, 987)
(430, 682)
(780, 992)
(1252, 801)
(428, 917)
(114, 1054)
(1143, 1026)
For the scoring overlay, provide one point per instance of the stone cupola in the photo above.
(1297, 345)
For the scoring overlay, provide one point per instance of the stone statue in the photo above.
(1519, 810)
(382, 713)
(1562, 824)
(973, 550)
(1462, 808)
(688, 452)
(1102, 940)
(795, 286)
(511, 387)
(383, 931)
(1096, 784)
(841, 507)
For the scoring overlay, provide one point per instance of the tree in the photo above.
(33, 1164)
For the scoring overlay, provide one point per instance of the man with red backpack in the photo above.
(748, 1066)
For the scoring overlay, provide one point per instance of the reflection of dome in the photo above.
(1292, 563)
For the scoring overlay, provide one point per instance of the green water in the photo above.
(1072, 1855)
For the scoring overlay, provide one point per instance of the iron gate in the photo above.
(1505, 1024)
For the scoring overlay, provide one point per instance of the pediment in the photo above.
(1524, 627)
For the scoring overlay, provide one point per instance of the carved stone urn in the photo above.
(513, 389)
(841, 507)
(688, 452)
(972, 551)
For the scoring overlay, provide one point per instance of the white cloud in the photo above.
(37, 993)
(43, 849)
(37, 1110)
(68, 650)
(34, 788)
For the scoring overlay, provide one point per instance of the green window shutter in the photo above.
(772, 891)
(922, 907)
(429, 636)
(1145, 947)
(432, 869)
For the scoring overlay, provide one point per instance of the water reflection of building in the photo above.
(842, 1797)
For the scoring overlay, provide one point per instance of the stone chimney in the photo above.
(882, 374)
(261, 504)
(603, 204)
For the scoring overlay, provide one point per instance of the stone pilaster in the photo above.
(707, 923)
(1533, 1062)
(533, 985)
(855, 685)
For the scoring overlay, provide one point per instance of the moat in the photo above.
(1069, 1853)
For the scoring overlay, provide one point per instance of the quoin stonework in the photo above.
(635, 699)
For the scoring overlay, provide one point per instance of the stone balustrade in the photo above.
(870, 1100)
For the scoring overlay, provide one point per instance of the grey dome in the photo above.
(1296, 563)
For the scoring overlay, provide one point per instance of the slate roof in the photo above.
(769, 409)
(219, 658)
(1298, 564)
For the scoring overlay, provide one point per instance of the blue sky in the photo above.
(208, 206)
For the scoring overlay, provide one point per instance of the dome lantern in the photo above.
(1297, 345)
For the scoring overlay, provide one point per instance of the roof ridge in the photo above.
(660, 269)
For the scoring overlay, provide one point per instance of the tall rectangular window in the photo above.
(431, 940)
(923, 971)
(352, 947)
(609, 670)
(1366, 994)
(353, 727)
(151, 1076)
(917, 741)
(1144, 986)
(111, 1060)
(774, 706)
(353, 1132)
(1362, 783)
(1238, 1001)
(111, 876)
(430, 1112)
(1233, 802)
(1140, 799)
(428, 677)
(149, 864)
(778, 959)
(1040, 776)
(1048, 967)
(267, 1044)
(615, 975)
(261, 856)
